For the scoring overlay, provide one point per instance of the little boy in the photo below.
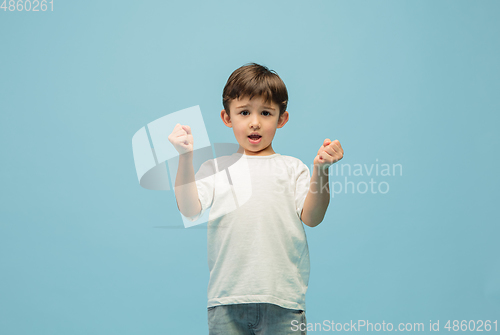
(257, 251)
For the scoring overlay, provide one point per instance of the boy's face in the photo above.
(254, 117)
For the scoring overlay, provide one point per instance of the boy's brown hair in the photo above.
(255, 80)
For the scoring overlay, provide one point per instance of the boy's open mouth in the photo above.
(254, 138)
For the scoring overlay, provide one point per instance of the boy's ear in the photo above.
(283, 119)
(226, 119)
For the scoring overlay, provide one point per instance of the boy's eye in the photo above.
(266, 113)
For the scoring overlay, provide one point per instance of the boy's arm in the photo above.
(186, 192)
(317, 198)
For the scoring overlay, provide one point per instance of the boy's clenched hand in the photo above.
(182, 139)
(329, 153)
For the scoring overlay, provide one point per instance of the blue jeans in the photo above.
(255, 319)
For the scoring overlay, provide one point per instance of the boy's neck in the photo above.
(266, 152)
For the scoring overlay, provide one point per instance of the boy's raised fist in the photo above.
(181, 138)
(329, 153)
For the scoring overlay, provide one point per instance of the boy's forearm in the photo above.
(185, 189)
(317, 198)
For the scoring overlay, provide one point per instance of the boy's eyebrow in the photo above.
(268, 107)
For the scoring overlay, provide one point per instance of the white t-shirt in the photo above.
(257, 247)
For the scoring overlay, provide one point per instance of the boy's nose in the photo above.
(254, 123)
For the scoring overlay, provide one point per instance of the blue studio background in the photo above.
(85, 250)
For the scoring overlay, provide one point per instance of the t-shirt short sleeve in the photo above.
(301, 186)
(205, 179)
